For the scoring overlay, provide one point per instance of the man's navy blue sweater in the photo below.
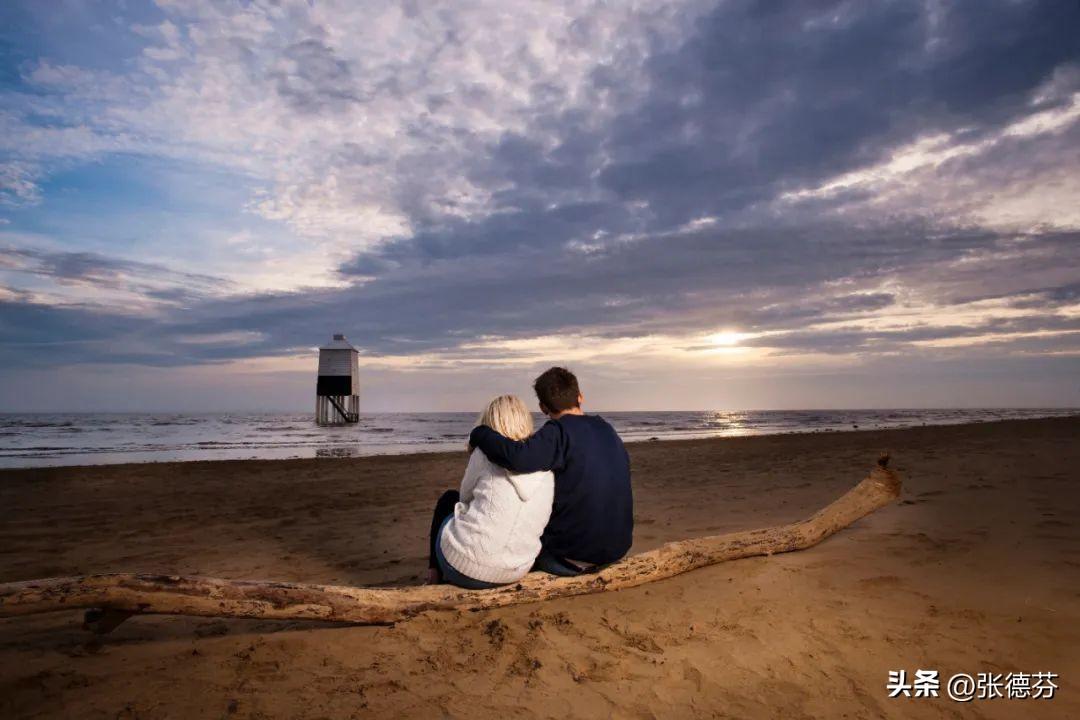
(592, 519)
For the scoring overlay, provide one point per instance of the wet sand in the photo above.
(977, 569)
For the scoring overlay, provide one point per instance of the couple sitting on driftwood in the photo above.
(558, 501)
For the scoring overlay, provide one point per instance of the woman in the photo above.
(488, 534)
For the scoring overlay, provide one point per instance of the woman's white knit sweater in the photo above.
(494, 534)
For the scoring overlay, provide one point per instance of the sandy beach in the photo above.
(976, 569)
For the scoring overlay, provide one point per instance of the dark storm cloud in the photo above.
(35, 335)
(769, 96)
(1037, 297)
(107, 272)
(1052, 297)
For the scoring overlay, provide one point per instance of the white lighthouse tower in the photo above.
(337, 390)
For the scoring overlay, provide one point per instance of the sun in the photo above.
(727, 338)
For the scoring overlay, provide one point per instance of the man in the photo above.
(592, 518)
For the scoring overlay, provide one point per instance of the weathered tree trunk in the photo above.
(118, 595)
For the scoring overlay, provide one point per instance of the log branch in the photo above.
(118, 595)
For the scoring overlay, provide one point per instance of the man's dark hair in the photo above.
(557, 390)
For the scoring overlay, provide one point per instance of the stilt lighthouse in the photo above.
(337, 390)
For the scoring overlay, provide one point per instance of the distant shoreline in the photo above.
(434, 453)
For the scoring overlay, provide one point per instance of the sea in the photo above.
(36, 440)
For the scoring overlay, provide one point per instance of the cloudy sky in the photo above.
(696, 205)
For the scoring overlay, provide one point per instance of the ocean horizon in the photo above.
(70, 439)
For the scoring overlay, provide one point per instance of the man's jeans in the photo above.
(549, 563)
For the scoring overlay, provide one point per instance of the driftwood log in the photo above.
(114, 597)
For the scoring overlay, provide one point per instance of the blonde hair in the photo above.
(508, 416)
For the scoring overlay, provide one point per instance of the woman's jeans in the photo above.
(444, 510)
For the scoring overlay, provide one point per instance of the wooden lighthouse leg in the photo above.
(124, 594)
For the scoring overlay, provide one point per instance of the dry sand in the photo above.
(976, 570)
